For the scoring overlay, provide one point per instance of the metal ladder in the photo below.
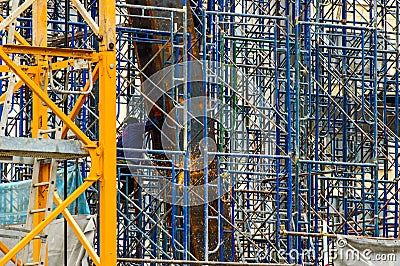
(48, 183)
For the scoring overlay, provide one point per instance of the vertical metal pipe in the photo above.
(297, 58)
(375, 112)
(65, 163)
(278, 138)
(345, 108)
(396, 123)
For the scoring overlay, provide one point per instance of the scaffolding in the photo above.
(300, 98)
(51, 57)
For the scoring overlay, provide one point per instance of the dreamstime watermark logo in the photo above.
(342, 252)
(347, 252)
(183, 129)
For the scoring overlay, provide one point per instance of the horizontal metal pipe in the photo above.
(149, 31)
(327, 25)
(338, 163)
(355, 49)
(210, 153)
(250, 155)
(284, 232)
(159, 8)
(245, 15)
(290, 233)
(151, 151)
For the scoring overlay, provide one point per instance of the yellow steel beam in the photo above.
(27, 69)
(77, 230)
(4, 68)
(80, 101)
(37, 229)
(50, 51)
(62, 64)
(39, 23)
(39, 38)
(39, 110)
(5, 249)
(49, 103)
(107, 120)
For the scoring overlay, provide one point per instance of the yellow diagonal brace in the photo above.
(50, 104)
(5, 249)
(37, 229)
(77, 230)
(81, 100)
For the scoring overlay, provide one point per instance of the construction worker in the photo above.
(131, 138)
